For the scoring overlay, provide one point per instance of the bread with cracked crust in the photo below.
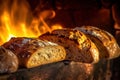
(35, 52)
(104, 41)
(79, 48)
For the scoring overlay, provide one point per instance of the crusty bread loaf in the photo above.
(105, 42)
(78, 47)
(8, 61)
(35, 52)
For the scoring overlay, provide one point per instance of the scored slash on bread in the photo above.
(79, 48)
(104, 41)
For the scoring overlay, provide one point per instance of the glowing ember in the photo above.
(17, 21)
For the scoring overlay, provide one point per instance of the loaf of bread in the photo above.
(104, 41)
(35, 52)
(8, 61)
(79, 48)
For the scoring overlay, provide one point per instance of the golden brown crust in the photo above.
(35, 52)
(110, 46)
(102, 49)
(38, 52)
(77, 45)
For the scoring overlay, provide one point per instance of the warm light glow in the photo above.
(18, 21)
(56, 26)
(10, 36)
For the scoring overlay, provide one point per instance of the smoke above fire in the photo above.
(17, 20)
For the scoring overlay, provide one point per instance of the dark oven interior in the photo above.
(100, 13)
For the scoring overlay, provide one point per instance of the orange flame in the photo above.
(19, 22)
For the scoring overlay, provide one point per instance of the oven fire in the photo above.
(17, 21)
